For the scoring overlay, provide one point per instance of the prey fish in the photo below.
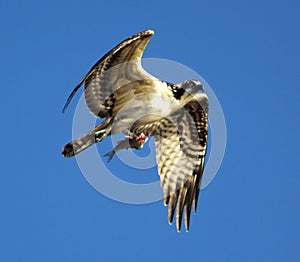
(131, 140)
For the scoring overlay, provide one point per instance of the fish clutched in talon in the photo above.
(131, 140)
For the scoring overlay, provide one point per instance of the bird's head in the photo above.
(192, 87)
(187, 90)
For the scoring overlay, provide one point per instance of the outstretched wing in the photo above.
(119, 66)
(180, 151)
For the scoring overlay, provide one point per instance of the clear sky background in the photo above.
(248, 51)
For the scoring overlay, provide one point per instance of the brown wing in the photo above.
(119, 66)
(194, 147)
(180, 150)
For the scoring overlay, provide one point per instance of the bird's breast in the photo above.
(146, 102)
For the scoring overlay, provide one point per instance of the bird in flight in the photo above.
(132, 101)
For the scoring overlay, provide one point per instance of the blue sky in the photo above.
(248, 51)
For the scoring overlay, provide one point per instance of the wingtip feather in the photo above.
(172, 205)
(148, 32)
(68, 150)
(180, 206)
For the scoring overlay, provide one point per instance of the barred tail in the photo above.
(92, 137)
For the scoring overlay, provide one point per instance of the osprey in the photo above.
(132, 101)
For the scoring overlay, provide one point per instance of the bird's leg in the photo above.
(129, 134)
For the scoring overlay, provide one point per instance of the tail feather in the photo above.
(110, 155)
(92, 137)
